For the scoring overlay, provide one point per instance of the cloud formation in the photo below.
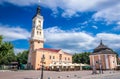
(117, 28)
(72, 41)
(109, 14)
(20, 2)
(11, 33)
(109, 10)
(95, 27)
(68, 40)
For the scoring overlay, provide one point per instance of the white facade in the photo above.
(37, 32)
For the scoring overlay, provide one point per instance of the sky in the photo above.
(71, 25)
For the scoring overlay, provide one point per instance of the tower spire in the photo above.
(101, 42)
(38, 8)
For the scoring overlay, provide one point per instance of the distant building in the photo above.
(37, 49)
(103, 57)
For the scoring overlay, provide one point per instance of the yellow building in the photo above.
(37, 49)
(103, 58)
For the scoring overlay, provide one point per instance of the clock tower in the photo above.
(37, 36)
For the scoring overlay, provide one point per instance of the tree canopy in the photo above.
(6, 52)
(81, 58)
(22, 57)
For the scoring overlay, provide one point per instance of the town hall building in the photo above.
(37, 50)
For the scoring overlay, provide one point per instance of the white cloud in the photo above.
(109, 10)
(118, 23)
(117, 28)
(21, 2)
(73, 7)
(109, 14)
(13, 33)
(95, 27)
(18, 50)
(84, 23)
(72, 41)
(69, 13)
(111, 40)
(105, 9)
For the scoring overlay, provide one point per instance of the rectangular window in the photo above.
(53, 57)
(40, 33)
(37, 32)
(68, 58)
(60, 56)
(65, 58)
(50, 57)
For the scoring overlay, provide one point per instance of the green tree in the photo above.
(76, 58)
(22, 57)
(1, 38)
(81, 58)
(7, 53)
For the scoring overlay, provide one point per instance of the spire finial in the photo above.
(38, 8)
(101, 42)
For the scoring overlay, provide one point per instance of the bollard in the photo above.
(58, 76)
(48, 77)
(68, 76)
(78, 77)
(75, 75)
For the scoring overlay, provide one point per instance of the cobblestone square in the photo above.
(31, 74)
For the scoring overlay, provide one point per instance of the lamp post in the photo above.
(42, 61)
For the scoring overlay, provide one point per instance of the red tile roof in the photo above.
(53, 50)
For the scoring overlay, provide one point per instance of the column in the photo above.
(93, 61)
(106, 61)
(115, 61)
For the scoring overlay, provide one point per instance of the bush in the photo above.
(86, 68)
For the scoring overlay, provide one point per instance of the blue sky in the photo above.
(74, 25)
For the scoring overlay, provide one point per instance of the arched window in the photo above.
(37, 32)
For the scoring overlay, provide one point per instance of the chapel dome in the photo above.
(103, 49)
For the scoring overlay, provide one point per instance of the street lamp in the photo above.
(42, 61)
